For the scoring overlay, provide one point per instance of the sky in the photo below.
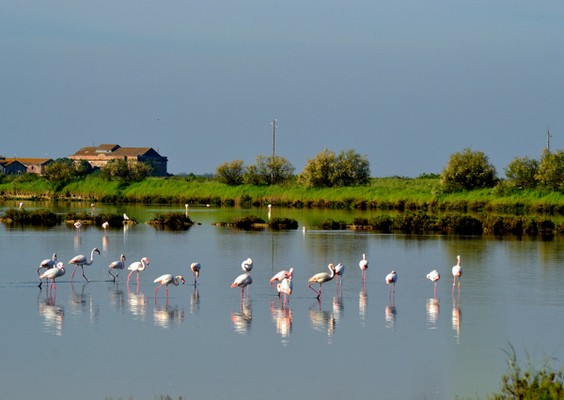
(404, 83)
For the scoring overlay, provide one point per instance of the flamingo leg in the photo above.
(110, 272)
(73, 271)
(82, 266)
(316, 292)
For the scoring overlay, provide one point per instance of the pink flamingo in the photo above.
(167, 279)
(321, 278)
(105, 226)
(78, 225)
(434, 277)
(285, 286)
(284, 274)
(242, 281)
(247, 265)
(339, 272)
(363, 265)
(456, 273)
(195, 267)
(53, 273)
(137, 266)
(116, 265)
(48, 263)
(81, 261)
(391, 280)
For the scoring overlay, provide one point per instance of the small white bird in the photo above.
(195, 267)
(81, 261)
(167, 279)
(321, 278)
(116, 265)
(363, 265)
(247, 265)
(125, 217)
(242, 281)
(137, 266)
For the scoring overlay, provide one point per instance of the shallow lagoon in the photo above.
(101, 339)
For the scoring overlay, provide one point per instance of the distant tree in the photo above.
(550, 174)
(125, 172)
(327, 169)
(63, 170)
(468, 170)
(231, 173)
(521, 173)
(269, 170)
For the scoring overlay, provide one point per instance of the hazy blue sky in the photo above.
(406, 83)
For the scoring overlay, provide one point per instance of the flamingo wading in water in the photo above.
(363, 265)
(167, 279)
(339, 272)
(247, 265)
(242, 281)
(48, 263)
(53, 273)
(391, 280)
(285, 286)
(456, 272)
(116, 265)
(321, 278)
(81, 261)
(137, 266)
(195, 267)
(284, 274)
(434, 277)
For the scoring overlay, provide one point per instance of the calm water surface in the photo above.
(103, 339)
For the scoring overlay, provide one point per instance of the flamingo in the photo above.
(434, 277)
(242, 281)
(363, 265)
(105, 225)
(137, 266)
(81, 261)
(186, 206)
(321, 278)
(247, 265)
(21, 205)
(285, 286)
(281, 276)
(53, 273)
(125, 217)
(48, 263)
(167, 279)
(195, 267)
(391, 279)
(456, 272)
(339, 271)
(116, 265)
(77, 225)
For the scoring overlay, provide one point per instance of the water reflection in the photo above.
(116, 296)
(242, 320)
(456, 317)
(432, 312)
(282, 317)
(362, 302)
(167, 316)
(195, 301)
(105, 244)
(53, 314)
(81, 302)
(323, 321)
(137, 304)
(338, 307)
(391, 313)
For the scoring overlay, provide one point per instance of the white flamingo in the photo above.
(78, 225)
(48, 263)
(284, 274)
(363, 265)
(195, 267)
(285, 286)
(125, 217)
(116, 265)
(339, 271)
(81, 261)
(321, 278)
(105, 226)
(247, 265)
(242, 281)
(53, 273)
(167, 279)
(391, 280)
(137, 266)
(434, 277)
(186, 206)
(456, 272)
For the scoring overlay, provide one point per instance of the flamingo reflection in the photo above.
(362, 302)
(82, 302)
(167, 316)
(137, 304)
(282, 318)
(456, 318)
(116, 296)
(242, 320)
(53, 314)
(195, 301)
(320, 320)
(338, 307)
(432, 311)
(391, 314)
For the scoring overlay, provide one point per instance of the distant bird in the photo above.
(456, 272)
(391, 280)
(137, 266)
(321, 278)
(363, 265)
(125, 217)
(285, 287)
(269, 211)
(167, 279)
(242, 281)
(116, 265)
(247, 265)
(53, 273)
(339, 271)
(48, 263)
(81, 261)
(21, 205)
(195, 267)
(186, 206)
(434, 277)
(78, 225)
(281, 276)
(105, 225)
(92, 208)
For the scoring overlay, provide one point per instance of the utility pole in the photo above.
(548, 139)
(273, 123)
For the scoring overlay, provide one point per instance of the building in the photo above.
(23, 165)
(99, 156)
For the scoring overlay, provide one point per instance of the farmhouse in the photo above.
(99, 156)
(12, 166)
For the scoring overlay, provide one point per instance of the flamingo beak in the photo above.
(183, 280)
